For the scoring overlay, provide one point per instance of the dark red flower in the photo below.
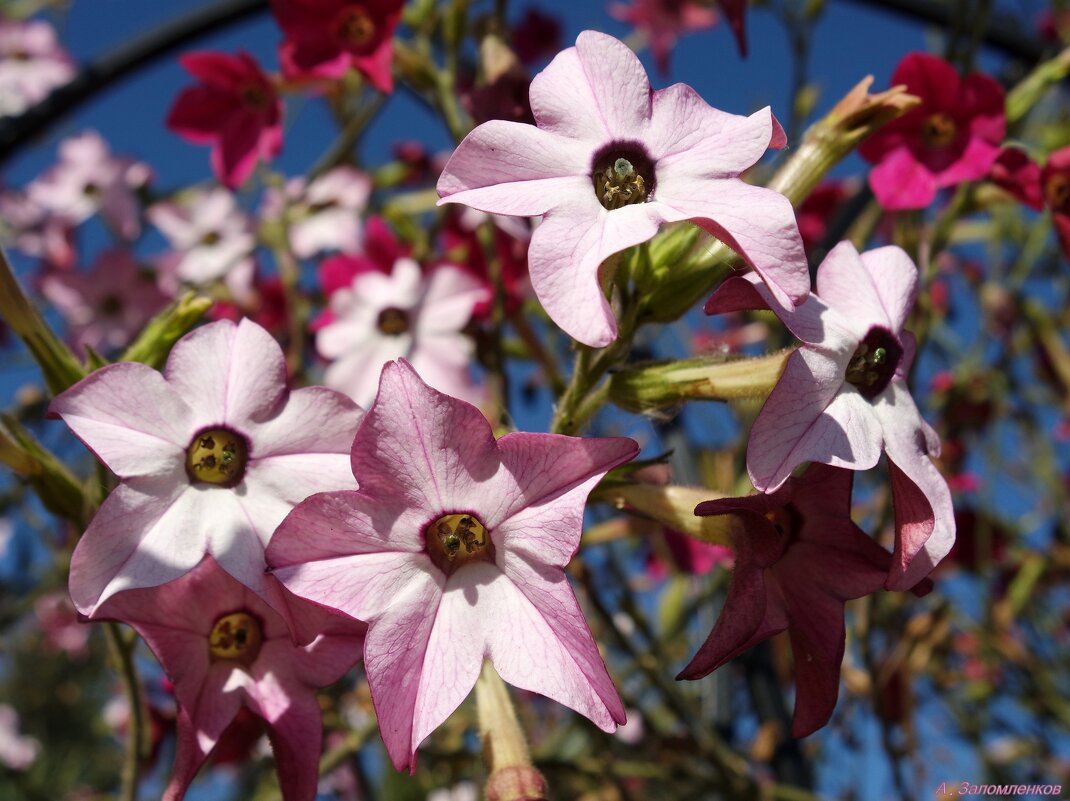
(536, 36)
(1016, 173)
(817, 210)
(1055, 181)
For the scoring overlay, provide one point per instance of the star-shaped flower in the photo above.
(453, 551)
(843, 396)
(32, 64)
(211, 235)
(234, 108)
(609, 162)
(225, 649)
(799, 557)
(953, 136)
(212, 454)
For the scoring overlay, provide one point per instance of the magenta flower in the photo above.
(1016, 173)
(843, 396)
(211, 456)
(235, 109)
(212, 237)
(106, 307)
(798, 559)
(953, 136)
(404, 313)
(609, 162)
(89, 179)
(453, 551)
(32, 64)
(225, 649)
(325, 214)
(324, 38)
(662, 21)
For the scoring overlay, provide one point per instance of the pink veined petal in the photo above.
(279, 483)
(443, 363)
(757, 223)
(337, 644)
(895, 278)
(433, 450)
(357, 372)
(130, 418)
(236, 533)
(456, 646)
(451, 296)
(189, 757)
(565, 255)
(296, 736)
(924, 517)
(231, 374)
(812, 416)
(313, 421)
(846, 285)
(618, 82)
(974, 163)
(513, 168)
(147, 532)
(538, 640)
(394, 653)
(812, 321)
(901, 182)
(688, 134)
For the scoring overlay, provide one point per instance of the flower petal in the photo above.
(845, 284)
(314, 422)
(901, 182)
(812, 321)
(296, 735)
(895, 278)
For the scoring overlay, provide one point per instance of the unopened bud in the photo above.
(517, 783)
(673, 507)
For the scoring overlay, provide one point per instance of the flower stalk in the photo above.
(673, 507)
(505, 750)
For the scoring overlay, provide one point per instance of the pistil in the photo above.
(938, 130)
(217, 456)
(235, 637)
(455, 540)
(874, 362)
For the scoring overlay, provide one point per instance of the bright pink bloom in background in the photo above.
(211, 235)
(107, 306)
(88, 179)
(324, 214)
(234, 108)
(843, 396)
(654, 157)
(953, 136)
(661, 22)
(225, 649)
(799, 557)
(181, 497)
(324, 38)
(434, 482)
(32, 64)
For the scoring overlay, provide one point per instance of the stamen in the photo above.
(874, 362)
(938, 130)
(457, 539)
(217, 456)
(354, 27)
(235, 637)
(620, 185)
(255, 97)
(393, 321)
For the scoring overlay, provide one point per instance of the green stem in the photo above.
(122, 652)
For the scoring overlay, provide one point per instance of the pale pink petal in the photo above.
(687, 133)
(296, 735)
(130, 418)
(230, 374)
(313, 421)
(847, 286)
(900, 181)
(812, 416)
(514, 168)
(449, 299)
(237, 531)
(924, 517)
(565, 255)
(757, 223)
(443, 363)
(149, 531)
(394, 654)
(357, 371)
(812, 322)
(538, 640)
(896, 280)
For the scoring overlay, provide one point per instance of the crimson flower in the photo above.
(1055, 181)
(953, 136)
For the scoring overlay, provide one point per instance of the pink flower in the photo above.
(609, 162)
(324, 38)
(953, 136)
(662, 21)
(461, 243)
(818, 210)
(1055, 181)
(235, 109)
(325, 214)
(89, 179)
(38, 232)
(1017, 174)
(17, 752)
(798, 559)
(453, 550)
(843, 398)
(107, 306)
(32, 64)
(58, 621)
(403, 313)
(225, 650)
(210, 233)
(211, 456)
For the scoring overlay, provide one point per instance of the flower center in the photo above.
(874, 362)
(354, 28)
(622, 174)
(393, 321)
(938, 130)
(217, 456)
(456, 540)
(1057, 190)
(236, 637)
(255, 97)
(91, 190)
(210, 239)
(110, 306)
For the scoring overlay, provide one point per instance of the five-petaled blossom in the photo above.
(610, 161)
(453, 551)
(323, 215)
(225, 649)
(843, 396)
(324, 38)
(212, 455)
(953, 136)
(32, 64)
(799, 557)
(234, 108)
